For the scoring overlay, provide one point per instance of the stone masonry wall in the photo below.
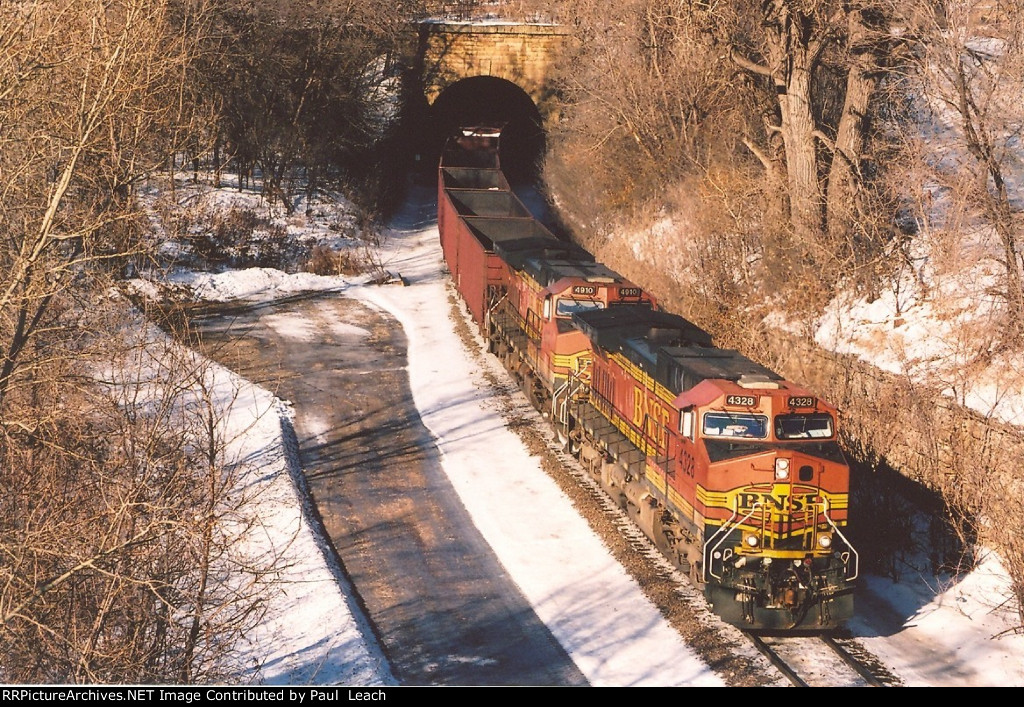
(522, 54)
(973, 461)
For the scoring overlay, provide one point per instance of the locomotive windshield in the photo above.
(567, 307)
(731, 424)
(803, 426)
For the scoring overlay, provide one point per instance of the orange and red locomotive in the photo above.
(733, 472)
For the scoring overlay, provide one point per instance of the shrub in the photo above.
(325, 261)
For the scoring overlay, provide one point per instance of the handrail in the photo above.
(562, 418)
(732, 523)
(726, 528)
(849, 545)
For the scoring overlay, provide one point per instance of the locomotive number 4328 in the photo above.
(746, 401)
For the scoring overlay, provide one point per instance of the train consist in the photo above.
(733, 472)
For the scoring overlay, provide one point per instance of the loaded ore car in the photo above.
(733, 472)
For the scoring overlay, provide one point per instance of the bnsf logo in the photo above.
(650, 417)
(782, 502)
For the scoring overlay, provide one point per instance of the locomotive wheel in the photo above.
(512, 364)
(574, 443)
(575, 446)
(539, 399)
(534, 393)
(527, 386)
(695, 570)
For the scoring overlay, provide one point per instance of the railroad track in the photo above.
(823, 661)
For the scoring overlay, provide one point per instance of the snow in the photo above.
(951, 635)
(258, 283)
(310, 634)
(937, 327)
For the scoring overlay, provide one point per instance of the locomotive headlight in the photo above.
(751, 540)
(825, 541)
(781, 469)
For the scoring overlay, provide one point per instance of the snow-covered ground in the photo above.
(311, 634)
(943, 636)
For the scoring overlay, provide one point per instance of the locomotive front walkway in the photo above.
(445, 610)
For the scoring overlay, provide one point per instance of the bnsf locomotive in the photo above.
(733, 472)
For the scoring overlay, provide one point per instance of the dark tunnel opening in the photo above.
(485, 100)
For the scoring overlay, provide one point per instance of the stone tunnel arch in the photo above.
(487, 100)
(497, 72)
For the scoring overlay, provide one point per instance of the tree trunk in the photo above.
(798, 128)
(844, 179)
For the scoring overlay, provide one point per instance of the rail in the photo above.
(822, 661)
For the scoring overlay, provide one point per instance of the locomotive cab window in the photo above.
(566, 307)
(818, 426)
(730, 424)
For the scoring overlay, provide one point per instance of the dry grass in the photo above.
(326, 261)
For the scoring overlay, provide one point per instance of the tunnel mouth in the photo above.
(488, 100)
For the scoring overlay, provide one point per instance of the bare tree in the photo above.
(86, 89)
(297, 89)
(779, 101)
(113, 512)
(817, 66)
(642, 96)
(122, 524)
(970, 64)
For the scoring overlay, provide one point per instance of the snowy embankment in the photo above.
(311, 632)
